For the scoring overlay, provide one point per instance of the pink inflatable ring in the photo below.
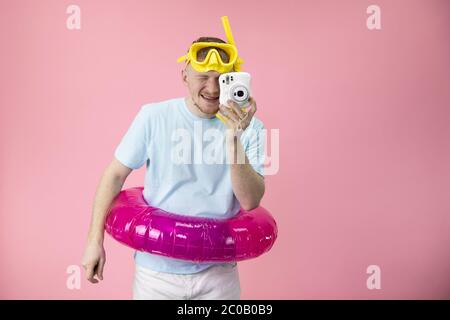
(134, 223)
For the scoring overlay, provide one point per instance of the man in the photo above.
(192, 187)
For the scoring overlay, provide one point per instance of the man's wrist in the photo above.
(233, 136)
(96, 238)
(235, 150)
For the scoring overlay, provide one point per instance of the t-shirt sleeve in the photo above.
(132, 149)
(254, 146)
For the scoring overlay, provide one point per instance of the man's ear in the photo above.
(184, 76)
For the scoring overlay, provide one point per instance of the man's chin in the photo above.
(209, 109)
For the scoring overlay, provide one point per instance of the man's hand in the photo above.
(235, 118)
(93, 261)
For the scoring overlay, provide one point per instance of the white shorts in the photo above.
(220, 282)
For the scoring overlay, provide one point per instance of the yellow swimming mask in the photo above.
(214, 60)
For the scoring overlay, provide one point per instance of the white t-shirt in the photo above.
(188, 170)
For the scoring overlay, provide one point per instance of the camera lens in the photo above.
(240, 93)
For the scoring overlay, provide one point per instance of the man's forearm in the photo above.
(248, 185)
(107, 190)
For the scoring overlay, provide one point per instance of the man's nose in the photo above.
(213, 86)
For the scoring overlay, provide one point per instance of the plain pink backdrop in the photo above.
(363, 115)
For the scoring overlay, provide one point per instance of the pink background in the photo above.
(364, 137)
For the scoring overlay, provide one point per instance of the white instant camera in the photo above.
(235, 86)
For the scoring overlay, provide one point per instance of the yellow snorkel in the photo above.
(230, 39)
(213, 60)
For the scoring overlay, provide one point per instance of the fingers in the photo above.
(233, 114)
(252, 107)
(93, 262)
(242, 112)
(236, 108)
(228, 112)
(90, 272)
(95, 269)
(101, 265)
(224, 118)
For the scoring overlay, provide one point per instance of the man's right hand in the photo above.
(93, 261)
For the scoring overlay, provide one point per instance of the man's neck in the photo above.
(193, 107)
